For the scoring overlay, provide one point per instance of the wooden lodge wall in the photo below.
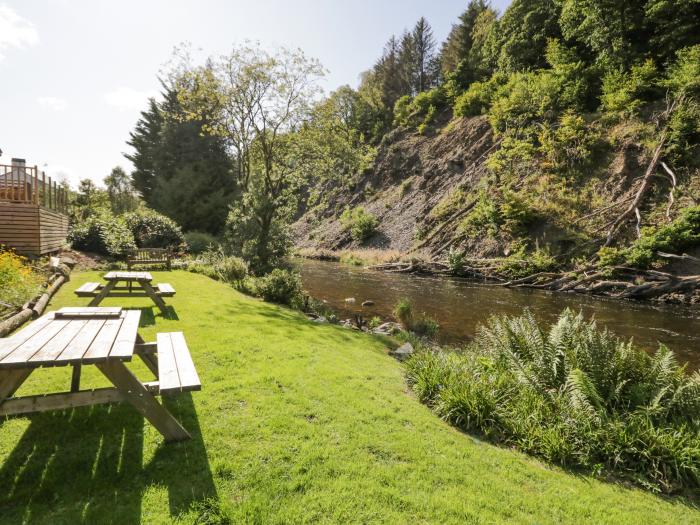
(31, 229)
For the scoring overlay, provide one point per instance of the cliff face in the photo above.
(411, 175)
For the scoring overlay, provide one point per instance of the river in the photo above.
(460, 305)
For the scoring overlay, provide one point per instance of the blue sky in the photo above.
(74, 74)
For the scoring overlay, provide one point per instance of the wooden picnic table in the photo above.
(106, 338)
(143, 288)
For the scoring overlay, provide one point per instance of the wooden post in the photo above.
(55, 195)
(50, 196)
(35, 186)
(43, 187)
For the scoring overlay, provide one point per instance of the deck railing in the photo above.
(27, 185)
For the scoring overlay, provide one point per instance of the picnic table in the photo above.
(143, 288)
(106, 338)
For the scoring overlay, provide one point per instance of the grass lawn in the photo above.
(296, 422)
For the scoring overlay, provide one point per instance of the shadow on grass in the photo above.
(86, 466)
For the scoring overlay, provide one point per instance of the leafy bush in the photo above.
(574, 395)
(19, 282)
(571, 142)
(625, 92)
(426, 326)
(280, 286)
(153, 230)
(455, 261)
(102, 233)
(478, 98)
(403, 312)
(681, 234)
(521, 263)
(419, 111)
(362, 224)
(231, 270)
(198, 242)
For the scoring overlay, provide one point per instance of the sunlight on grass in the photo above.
(296, 422)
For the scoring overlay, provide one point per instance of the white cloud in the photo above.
(56, 104)
(15, 31)
(125, 99)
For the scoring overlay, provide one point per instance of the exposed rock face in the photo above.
(411, 175)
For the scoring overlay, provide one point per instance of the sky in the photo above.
(75, 74)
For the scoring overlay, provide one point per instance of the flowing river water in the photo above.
(460, 305)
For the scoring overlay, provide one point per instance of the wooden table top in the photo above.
(128, 276)
(72, 336)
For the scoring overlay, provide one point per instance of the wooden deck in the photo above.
(33, 219)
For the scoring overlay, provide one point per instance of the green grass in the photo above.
(296, 422)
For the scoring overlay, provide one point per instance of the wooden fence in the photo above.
(27, 185)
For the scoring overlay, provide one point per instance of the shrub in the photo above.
(572, 394)
(362, 224)
(681, 234)
(426, 326)
(455, 261)
(625, 92)
(231, 270)
(280, 286)
(104, 234)
(403, 312)
(153, 230)
(18, 281)
(478, 98)
(420, 111)
(521, 263)
(198, 242)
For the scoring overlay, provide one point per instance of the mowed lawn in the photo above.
(296, 423)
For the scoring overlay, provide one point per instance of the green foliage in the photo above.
(425, 326)
(508, 212)
(681, 234)
(280, 286)
(484, 217)
(403, 312)
(104, 234)
(122, 197)
(362, 224)
(478, 98)
(419, 110)
(19, 281)
(455, 261)
(625, 92)
(573, 395)
(153, 230)
(179, 169)
(198, 242)
(522, 263)
(569, 143)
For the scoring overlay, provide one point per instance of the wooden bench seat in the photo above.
(148, 256)
(165, 290)
(176, 371)
(88, 290)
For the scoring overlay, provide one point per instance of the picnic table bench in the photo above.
(106, 338)
(148, 256)
(99, 292)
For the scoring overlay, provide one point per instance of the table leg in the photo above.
(103, 293)
(157, 299)
(75, 379)
(137, 394)
(11, 380)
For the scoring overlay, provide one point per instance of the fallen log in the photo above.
(15, 321)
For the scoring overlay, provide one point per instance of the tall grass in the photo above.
(573, 395)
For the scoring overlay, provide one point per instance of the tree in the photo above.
(179, 170)
(423, 43)
(519, 40)
(120, 192)
(612, 30)
(459, 42)
(89, 200)
(255, 100)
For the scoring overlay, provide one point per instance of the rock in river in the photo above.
(368, 303)
(403, 352)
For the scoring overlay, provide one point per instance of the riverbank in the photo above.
(296, 422)
(671, 284)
